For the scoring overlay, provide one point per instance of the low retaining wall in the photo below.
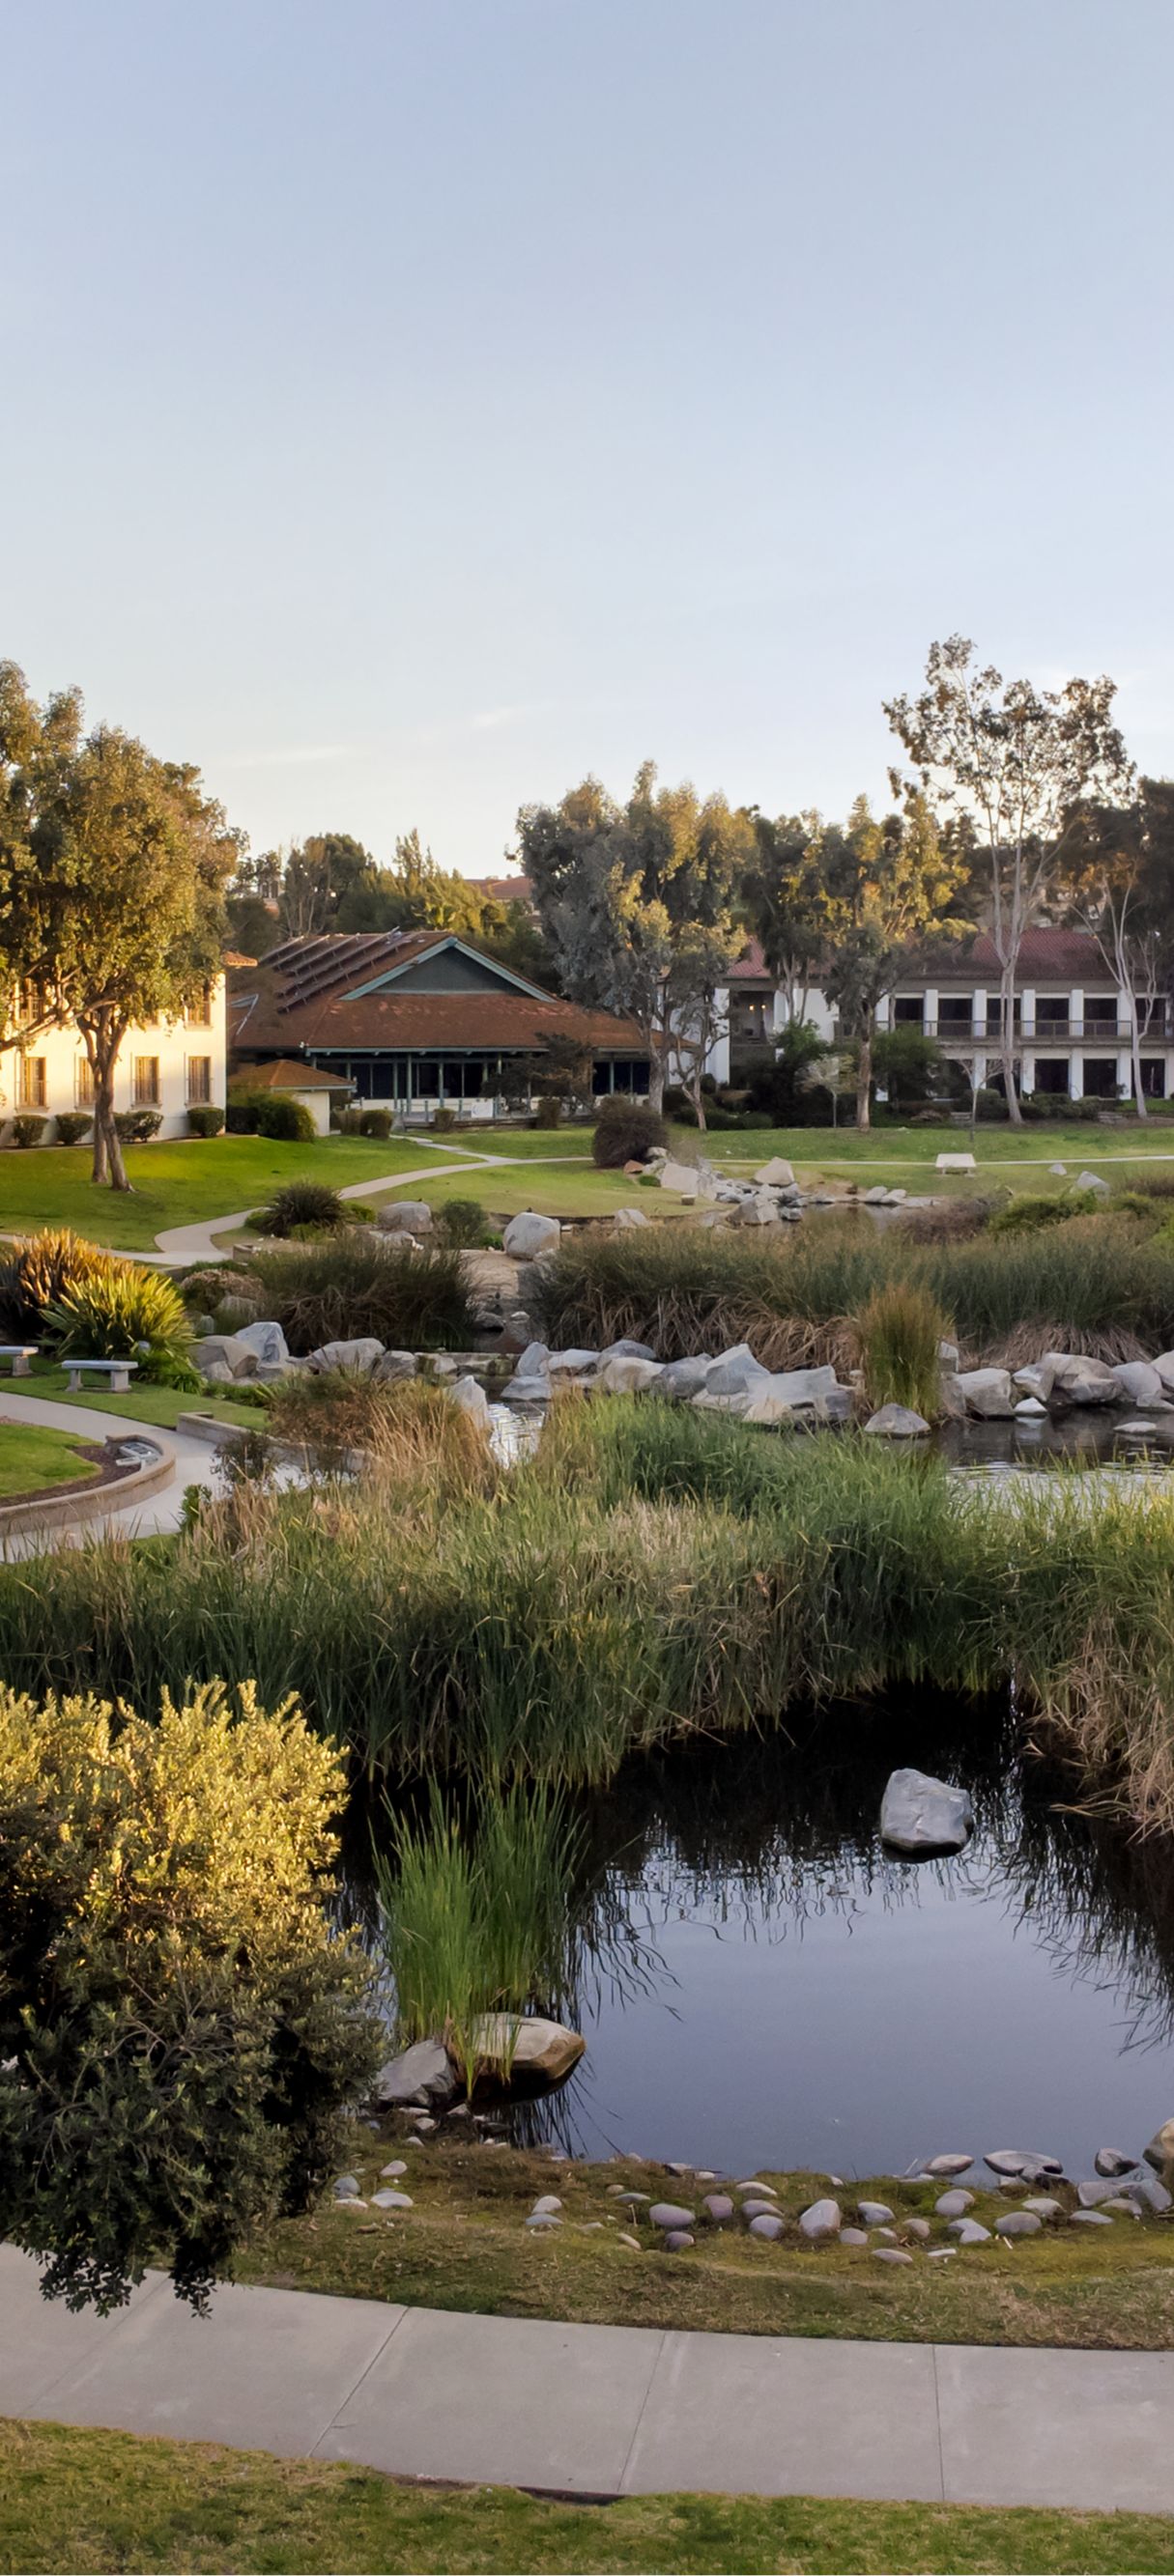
(90, 1502)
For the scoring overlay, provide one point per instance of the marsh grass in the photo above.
(476, 1915)
(689, 1290)
(358, 1286)
(901, 1329)
(402, 1433)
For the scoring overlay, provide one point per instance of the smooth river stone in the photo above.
(853, 2236)
(822, 2219)
(391, 2200)
(954, 2204)
(1111, 2162)
(765, 2190)
(767, 2223)
(1042, 2207)
(1019, 2222)
(969, 2232)
(875, 2213)
(718, 2206)
(548, 2206)
(666, 2213)
(949, 2164)
(1122, 2208)
(677, 2240)
(918, 2228)
(392, 2172)
(758, 2209)
(890, 2254)
(1090, 2218)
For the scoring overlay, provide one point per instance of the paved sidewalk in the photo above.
(598, 2410)
(183, 1243)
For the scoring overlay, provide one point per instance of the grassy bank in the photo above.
(183, 1182)
(464, 2245)
(33, 1460)
(1101, 1281)
(105, 2501)
(651, 1575)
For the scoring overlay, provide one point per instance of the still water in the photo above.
(759, 1984)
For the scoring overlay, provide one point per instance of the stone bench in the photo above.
(956, 1163)
(20, 1354)
(119, 1373)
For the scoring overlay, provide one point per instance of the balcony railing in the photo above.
(1041, 1033)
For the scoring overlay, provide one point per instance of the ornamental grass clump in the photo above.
(302, 1206)
(117, 1310)
(476, 1915)
(349, 1289)
(405, 1433)
(36, 1274)
(901, 1330)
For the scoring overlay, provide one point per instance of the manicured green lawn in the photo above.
(176, 1184)
(32, 1458)
(161, 1405)
(572, 1188)
(70, 2498)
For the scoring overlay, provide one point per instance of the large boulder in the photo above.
(986, 1393)
(528, 2047)
(406, 1216)
(921, 1814)
(359, 1358)
(627, 1376)
(472, 1399)
(625, 1218)
(775, 1175)
(760, 1209)
(422, 2073)
(802, 1388)
(1080, 1381)
(394, 1365)
(1164, 1365)
(626, 1349)
(1140, 1383)
(682, 1177)
(682, 1379)
(896, 1422)
(528, 1235)
(1092, 1181)
(1160, 2151)
(267, 1343)
(230, 1352)
(768, 1409)
(735, 1373)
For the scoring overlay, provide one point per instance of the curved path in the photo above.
(194, 1464)
(184, 1243)
(597, 2410)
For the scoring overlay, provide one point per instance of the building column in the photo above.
(978, 1010)
(929, 1008)
(1076, 1075)
(1026, 1015)
(1125, 1073)
(1075, 1016)
(978, 1075)
(1027, 1073)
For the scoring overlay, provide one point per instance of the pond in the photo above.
(759, 1984)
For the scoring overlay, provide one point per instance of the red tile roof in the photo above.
(292, 998)
(289, 1075)
(1046, 957)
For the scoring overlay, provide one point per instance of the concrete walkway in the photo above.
(194, 1462)
(597, 2410)
(183, 1243)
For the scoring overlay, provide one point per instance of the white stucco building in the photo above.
(170, 1066)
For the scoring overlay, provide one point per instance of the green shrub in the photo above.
(549, 1112)
(343, 1290)
(462, 1223)
(443, 1121)
(375, 1122)
(900, 1329)
(117, 1310)
(137, 1126)
(204, 1118)
(302, 1203)
(28, 1128)
(72, 1125)
(1027, 1213)
(243, 1111)
(626, 1131)
(182, 2030)
(286, 1121)
(35, 1275)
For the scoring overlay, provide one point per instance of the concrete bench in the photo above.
(20, 1353)
(119, 1373)
(956, 1163)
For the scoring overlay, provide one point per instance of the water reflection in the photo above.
(758, 1981)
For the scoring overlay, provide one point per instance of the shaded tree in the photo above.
(1119, 865)
(783, 895)
(1009, 764)
(885, 885)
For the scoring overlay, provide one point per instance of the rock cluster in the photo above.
(733, 1382)
(1059, 1383)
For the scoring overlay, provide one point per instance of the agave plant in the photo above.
(119, 1310)
(37, 1274)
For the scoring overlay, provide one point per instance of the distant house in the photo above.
(415, 1021)
(170, 1066)
(1072, 1036)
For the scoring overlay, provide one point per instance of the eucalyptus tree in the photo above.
(1010, 764)
(1120, 887)
(885, 887)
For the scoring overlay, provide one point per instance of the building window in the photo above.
(145, 1082)
(33, 1093)
(1153, 1077)
(199, 1012)
(199, 1078)
(1100, 1077)
(85, 1082)
(909, 1011)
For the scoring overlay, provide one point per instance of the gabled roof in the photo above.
(288, 1074)
(342, 992)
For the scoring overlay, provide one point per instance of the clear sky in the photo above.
(410, 405)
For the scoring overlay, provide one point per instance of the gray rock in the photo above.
(735, 1372)
(917, 2227)
(1092, 1181)
(949, 1357)
(1110, 2161)
(765, 2187)
(548, 2207)
(424, 2070)
(667, 2213)
(890, 2254)
(1044, 2207)
(391, 2200)
(683, 1177)
(392, 2172)
(813, 1388)
(1154, 2194)
(853, 2236)
(627, 1376)
(216, 1373)
(760, 1209)
(955, 2164)
(394, 1366)
(358, 1357)
(756, 2205)
(405, 1216)
(896, 1422)
(718, 2206)
(574, 1363)
(822, 2219)
(1120, 2207)
(766, 2222)
(626, 1350)
(954, 2204)
(987, 1393)
(1079, 1380)
(876, 1196)
(775, 1175)
(1091, 2194)
(1029, 1409)
(678, 2240)
(627, 1217)
(1059, 1171)
(346, 2187)
(969, 2231)
(1090, 2218)
(1139, 1382)
(874, 2213)
(534, 1361)
(1164, 1365)
(1019, 2222)
(1018, 2162)
(1160, 2151)
(528, 1236)
(541, 2221)
(229, 1351)
(470, 1395)
(921, 1814)
(941, 2253)
(682, 1379)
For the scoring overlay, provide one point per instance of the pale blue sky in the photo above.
(413, 404)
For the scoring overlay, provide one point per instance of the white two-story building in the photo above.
(170, 1066)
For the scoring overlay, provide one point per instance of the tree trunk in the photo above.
(655, 1079)
(864, 1083)
(1007, 1041)
(102, 1047)
(698, 1098)
(1135, 1055)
